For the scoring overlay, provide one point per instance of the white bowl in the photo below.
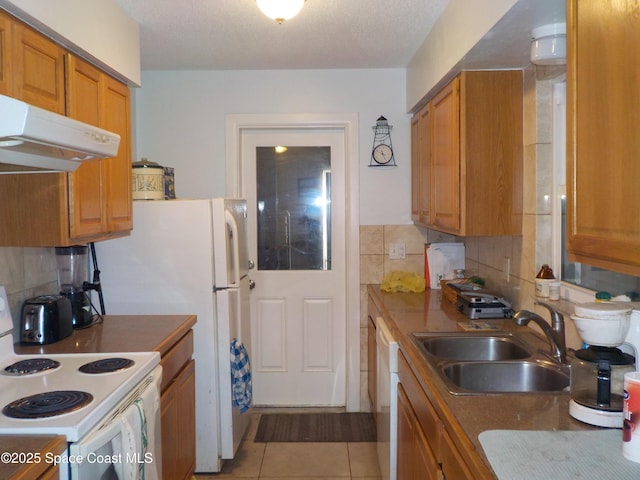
(602, 309)
(606, 331)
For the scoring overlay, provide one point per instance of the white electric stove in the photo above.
(75, 395)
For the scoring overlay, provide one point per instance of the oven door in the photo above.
(128, 445)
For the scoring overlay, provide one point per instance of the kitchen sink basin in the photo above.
(476, 347)
(505, 377)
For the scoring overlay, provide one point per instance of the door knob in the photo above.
(251, 264)
(252, 284)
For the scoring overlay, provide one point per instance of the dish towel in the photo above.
(240, 376)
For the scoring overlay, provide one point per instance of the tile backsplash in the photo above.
(26, 273)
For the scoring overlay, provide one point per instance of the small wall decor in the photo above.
(382, 150)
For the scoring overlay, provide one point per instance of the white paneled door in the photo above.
(296, 201)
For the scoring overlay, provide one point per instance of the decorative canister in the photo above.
(147, 180)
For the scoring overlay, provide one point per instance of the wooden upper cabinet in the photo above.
(5, 55)
(603, 101)
(100, 190)
(38, 69)
(474, 155)
(94, 202)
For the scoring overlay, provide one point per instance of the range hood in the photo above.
(33, 140)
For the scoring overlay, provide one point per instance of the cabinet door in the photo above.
(187, 414)
(416, 460)
(5, 55)
(603, 199)
(453, 465)
(444, 168)
(85, 85)
(170, 423)
(38, 69)
(406, 425)
(117, 181)
(420, 153)
(425, 464)
(178, 425)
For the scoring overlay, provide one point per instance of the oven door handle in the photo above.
(92, 443)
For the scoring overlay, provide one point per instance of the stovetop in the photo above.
(106, 390)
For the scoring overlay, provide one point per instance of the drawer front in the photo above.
(176, 358)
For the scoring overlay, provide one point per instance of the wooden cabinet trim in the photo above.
(6, 55)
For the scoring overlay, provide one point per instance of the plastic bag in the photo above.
(403, 282)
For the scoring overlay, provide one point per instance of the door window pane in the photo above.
(294, 208)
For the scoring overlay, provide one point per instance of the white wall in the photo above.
(461, 26)
(180, 122)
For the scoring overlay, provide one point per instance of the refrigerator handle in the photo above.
(235, 248)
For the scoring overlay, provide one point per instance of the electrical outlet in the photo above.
(397, 251)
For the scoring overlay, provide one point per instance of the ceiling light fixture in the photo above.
(549, 44)
(280, 10)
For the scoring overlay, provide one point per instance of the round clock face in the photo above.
(382, 154)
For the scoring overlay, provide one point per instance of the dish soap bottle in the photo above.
(543, 279)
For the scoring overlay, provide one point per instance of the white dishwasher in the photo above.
(387, 399)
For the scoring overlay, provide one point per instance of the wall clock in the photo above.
(382, 150)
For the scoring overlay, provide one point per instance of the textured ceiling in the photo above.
(235, 35)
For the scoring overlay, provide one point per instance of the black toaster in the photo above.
(46, 319)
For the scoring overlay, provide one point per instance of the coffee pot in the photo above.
(611, 332)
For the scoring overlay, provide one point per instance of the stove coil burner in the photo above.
(30, 366)
(106, 365)
(47, 404)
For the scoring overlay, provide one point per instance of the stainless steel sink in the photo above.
(491, 363)
(506, 377)
(473, 347)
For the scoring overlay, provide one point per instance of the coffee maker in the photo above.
(73, 270)
(611, 332)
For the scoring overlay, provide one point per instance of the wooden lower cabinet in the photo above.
(178, 414)
(416, 460)
(426, 451)
(453, 465)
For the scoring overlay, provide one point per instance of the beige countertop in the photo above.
(469, 415)
(121, 333)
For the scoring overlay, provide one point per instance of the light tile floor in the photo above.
(299, 461)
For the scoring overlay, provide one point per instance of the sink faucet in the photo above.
(555, 333)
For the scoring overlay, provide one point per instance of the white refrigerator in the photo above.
(190, 257)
